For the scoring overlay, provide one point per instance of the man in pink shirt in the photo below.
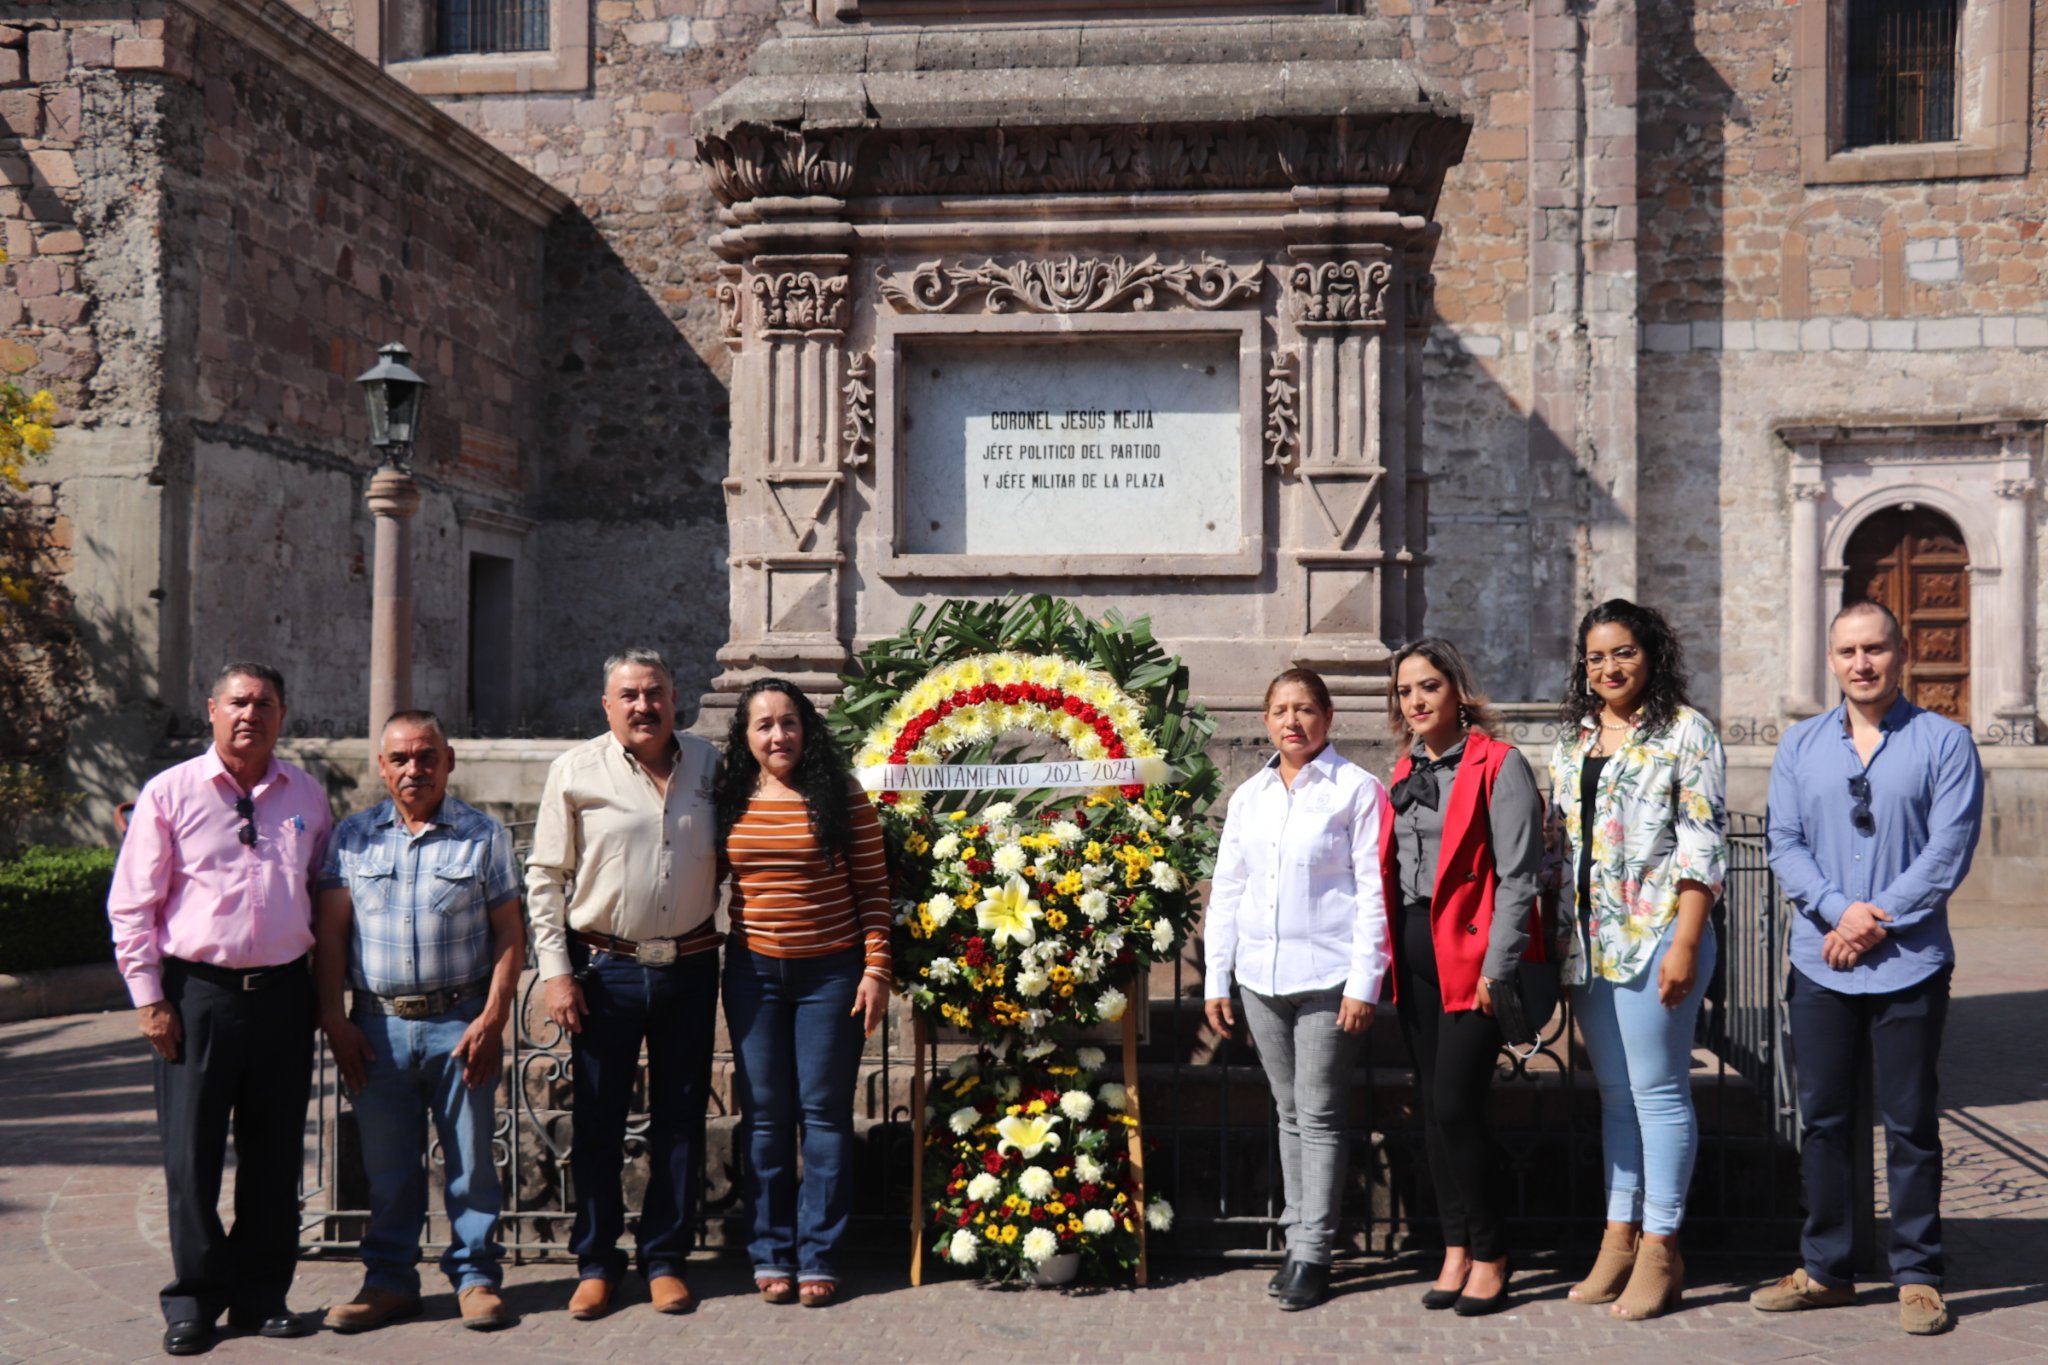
(213, 919)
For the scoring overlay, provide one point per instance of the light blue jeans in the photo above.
(413, 1079)
(1642, 1058)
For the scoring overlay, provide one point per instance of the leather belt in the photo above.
(241, 978)
(650, 952)
(421, 1006)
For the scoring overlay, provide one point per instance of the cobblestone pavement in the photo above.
(82, 1253)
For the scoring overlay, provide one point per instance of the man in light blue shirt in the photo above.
(419, 917)
(1874, 813)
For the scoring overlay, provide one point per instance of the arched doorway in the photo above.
(1913, 560)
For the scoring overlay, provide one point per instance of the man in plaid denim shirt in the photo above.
(419, 916)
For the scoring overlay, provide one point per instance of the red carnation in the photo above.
(1073, 705)
(1133, 790)
(945, 708)
(977, 952)
(992, 1162)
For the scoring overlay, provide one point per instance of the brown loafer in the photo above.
(1798, 1292)
(592, 1299)
(371, 1307)
(482, 1309)
(1922, 1311)
(669, 1294)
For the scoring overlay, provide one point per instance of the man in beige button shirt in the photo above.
(621, 887)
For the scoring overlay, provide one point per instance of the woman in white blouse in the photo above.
(1297, 917)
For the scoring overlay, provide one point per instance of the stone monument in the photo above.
(1130, 312)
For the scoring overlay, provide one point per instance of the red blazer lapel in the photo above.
(1466, 785)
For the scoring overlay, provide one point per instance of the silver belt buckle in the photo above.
(251, 980)
(409, 1006)
(656, 952)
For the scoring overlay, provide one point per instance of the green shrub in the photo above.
(53, 908)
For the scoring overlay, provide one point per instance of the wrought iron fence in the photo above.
(1208, 1116)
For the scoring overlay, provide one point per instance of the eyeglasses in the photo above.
(245, 809)
(1624, 656)
(1859, 788)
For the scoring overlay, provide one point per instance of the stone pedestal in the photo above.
(394, 500)
(1100, 309)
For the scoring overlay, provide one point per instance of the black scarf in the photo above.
(1420, 786)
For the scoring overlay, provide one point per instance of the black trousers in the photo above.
(1903, 1029)
(245, 1066)
(1454, 1055)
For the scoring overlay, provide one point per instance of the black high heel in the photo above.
(1469, 1307)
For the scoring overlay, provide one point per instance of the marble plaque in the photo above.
(1086, 445)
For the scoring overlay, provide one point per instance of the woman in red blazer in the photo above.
(1462, 857)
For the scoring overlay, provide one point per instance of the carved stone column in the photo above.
(2015, 672)
(1805, 647)
(394, 500)
(789, 315)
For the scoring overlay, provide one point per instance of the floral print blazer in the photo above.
(1660, 816)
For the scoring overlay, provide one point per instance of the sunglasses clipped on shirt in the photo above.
(245, 810)
(1860, 817)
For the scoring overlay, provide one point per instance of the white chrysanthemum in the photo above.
(1064, 832)
(1077, 1104)
(1009, 860)
(1088, 1170)
(946, 847)
(1095, 905)
(1090, 1058)
(1046, 670)
(1113, 1095)
(1122, 715)
(941, 908)
(1109, 1006)
(1162, 935)
(964, 1248)
(1003, 669)
(1032, 984)
(964, 1119)
(1037, 1050)
(1097, 1222)
(1040, 1246)
(871, 757)
(983, 1188)
(995, 814)
(898, 715)
(1100, 692)
(1158, 1215)
(1166, 876)
(1035, 1184)
(1091, 748)
(973, 725)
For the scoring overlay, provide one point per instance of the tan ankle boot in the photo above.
(1657, 1284)
(1611, 1270)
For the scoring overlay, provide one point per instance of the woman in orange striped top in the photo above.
(806, 977)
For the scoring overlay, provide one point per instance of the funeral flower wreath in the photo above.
(1018, 914)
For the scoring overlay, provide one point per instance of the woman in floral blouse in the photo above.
(1637, 781)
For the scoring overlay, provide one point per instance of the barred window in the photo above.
(492, 26)
(1902, 71)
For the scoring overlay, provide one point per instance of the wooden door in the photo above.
(1913, 561)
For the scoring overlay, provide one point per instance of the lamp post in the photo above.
(395, 396)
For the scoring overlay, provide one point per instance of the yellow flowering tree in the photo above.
(37, 637)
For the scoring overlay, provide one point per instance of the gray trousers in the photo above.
(1308, 1062)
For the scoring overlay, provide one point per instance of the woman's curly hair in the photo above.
(1663, 657)
(821, 773)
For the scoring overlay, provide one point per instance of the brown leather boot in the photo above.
(1611, 1269)
(669, 1294)
(592, 1299)
(371, 1307)
(1656, 1285)
(482, 1309)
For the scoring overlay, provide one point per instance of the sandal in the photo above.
(776, 1290)
(817, 1293)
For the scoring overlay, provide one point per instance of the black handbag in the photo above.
(1525, 1002)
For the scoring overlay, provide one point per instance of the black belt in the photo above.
(241, 978)
(421, 1006)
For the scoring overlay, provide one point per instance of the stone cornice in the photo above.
(323, 63)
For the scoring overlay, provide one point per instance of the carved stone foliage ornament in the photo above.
(1419, 299)
(1283, 412)
(1073, 285)
(800, 301)
(1339, 293)
(729, 301)
(859, 395)
(1403, 151)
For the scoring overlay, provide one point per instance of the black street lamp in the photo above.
(395, 396)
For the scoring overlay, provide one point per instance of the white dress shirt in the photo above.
(1297, 902)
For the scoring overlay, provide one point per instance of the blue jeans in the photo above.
(674, 1010)
(796, 1054)
(413, 1079)
(1642, 1058)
